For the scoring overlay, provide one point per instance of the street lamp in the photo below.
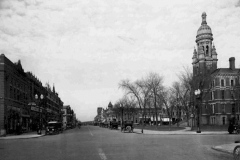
(198, 97)
(40, 124)
(192, 116)
(178, 114)
(122, 114)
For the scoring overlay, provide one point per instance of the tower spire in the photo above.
(204, 17)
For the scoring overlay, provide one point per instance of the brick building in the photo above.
(14, 91)
(69, 117)
(219, 98)
(18, 104)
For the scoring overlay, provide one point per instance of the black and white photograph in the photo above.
(119, 79)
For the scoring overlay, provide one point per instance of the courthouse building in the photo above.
(219, 98)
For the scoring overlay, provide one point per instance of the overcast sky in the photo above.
(86, 47)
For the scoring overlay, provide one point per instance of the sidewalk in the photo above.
(23, 136)
(226, 148)
(185, 131)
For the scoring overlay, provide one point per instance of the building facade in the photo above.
(69, 117)
(14, 89)
(218, 100)
(21, 101)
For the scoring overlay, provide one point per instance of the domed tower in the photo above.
(205, 57)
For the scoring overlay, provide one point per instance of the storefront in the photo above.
(36, 117)
(13, 117)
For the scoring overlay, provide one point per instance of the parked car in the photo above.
(113, 124)
(54, 127)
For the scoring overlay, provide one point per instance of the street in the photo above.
(95, 143)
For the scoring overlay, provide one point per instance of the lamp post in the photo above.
(178, 110)
(40, 124)
(122, 114)
(198, 97)
(192, 121)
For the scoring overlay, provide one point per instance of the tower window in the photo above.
(207, 51)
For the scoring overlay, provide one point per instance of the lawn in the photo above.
(160, 128)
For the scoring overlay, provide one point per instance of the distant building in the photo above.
(69, 117)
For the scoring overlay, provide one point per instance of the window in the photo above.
(207, 51)
(224, 120)
(213, 111)
(233, 108)
(222, 93)
(232, 82)
(222, 82)
(213, 120)
(213, 83)
(223, 108)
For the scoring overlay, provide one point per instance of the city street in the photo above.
(95, 143)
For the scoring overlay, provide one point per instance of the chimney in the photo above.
(232, 63)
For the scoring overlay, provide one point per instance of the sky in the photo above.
(86, 47)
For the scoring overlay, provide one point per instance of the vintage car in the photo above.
(113, 124)
(127, 126)
(54, 127)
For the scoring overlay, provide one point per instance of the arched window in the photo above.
(207, 51)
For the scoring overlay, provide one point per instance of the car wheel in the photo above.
(236, 152)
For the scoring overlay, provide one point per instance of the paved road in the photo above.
(95, 143)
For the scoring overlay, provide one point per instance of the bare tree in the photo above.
(185, 91)
(166, 96)
(140, 90)
(155, 84)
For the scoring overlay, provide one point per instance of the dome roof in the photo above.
(204, 30)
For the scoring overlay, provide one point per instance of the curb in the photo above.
(221, 150)
(23, 137)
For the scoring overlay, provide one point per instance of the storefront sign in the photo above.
(36, 109)
(13, 108)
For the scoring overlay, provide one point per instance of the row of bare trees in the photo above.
(149, 92)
